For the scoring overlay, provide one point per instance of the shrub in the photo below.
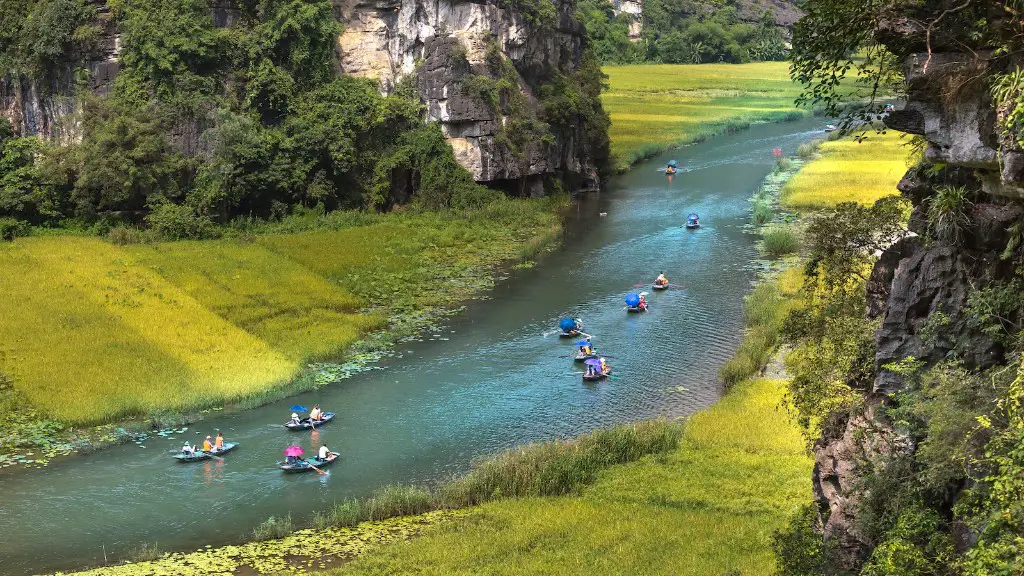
(947, 214)
(273, 527)
(11, 228)
(779, 240)
(807, 150)
(762, 213)
(397, 500)
(171, 221)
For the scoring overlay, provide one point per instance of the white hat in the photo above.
(294, 415)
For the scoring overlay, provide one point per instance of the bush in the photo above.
(779, 240)
(807, 150)
(273, 527)
(11, 228)
(171, 221)
(947, 214)
(144, 553)
(762, 213)
(397, 500)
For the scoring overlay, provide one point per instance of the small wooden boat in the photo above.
(195, 457)
(228, 447)
(204, 455)
(569, 334)
(306, 424)
(659, 286)
(596, 375)
(584, 357)
(306, 465)
(636, 309)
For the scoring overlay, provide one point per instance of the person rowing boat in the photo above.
(218, 444)
(316, 414)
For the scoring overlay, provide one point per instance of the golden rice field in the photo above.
(126, 331)
(708, 508)
(656, 106)
(850, 171)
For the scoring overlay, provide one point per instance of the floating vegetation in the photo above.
(303, 551)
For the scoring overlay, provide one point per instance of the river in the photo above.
(492, 379)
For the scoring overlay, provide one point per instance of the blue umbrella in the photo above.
(298, 408)
(632, 299)
(592, 362)
(567, 324)
(583, 343)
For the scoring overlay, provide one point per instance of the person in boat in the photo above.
(591, 371)
(188, 449)
(324, 452)
(643, 302)
(662, 280)
(316, 414)
(291, 460)
(604, 367)
(208, 444)
(218, 444)
(295, 419)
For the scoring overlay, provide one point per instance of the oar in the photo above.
(322, 473)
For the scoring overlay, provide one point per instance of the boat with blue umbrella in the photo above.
(597, 369)
(692, 221)
(636, 302)
(570, 327)
(306, 423)
(585, 352)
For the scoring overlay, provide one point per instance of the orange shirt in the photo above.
(219, 443)
(207, 446)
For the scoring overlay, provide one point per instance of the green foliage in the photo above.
(947, 214)
(779, 240)
(170, 50)
(11, 228)
(27, 190)
(608, 34)
(273, 527)
(124, 159)
(38, 35)
(170, 221)
(918, 545)
(996, 310)
(834, 45)
(799, 548)
(762, 213)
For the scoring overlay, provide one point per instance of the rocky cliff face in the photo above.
(390, 40)
(950, 105)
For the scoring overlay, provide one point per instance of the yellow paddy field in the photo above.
(657, 106)
(850, 171)
(93, 332)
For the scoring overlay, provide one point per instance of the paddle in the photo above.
(322, 473)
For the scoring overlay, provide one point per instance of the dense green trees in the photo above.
(682, 32)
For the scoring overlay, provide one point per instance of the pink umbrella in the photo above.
(293, 451)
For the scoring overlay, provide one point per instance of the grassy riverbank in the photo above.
(654, 107)
(143, 329)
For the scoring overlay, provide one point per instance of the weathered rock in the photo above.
(878, 284)
(867, 440)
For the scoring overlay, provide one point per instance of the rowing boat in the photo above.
(305, 423)
(659, 286)
(597, 375)
(204, 455)
(307, 464)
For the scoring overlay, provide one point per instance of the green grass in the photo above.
(764, 310)
(707, 507)
(136, 329)
(779, 239)
(654, 107)
(849, 171)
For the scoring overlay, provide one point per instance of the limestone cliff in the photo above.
(391, 39)
(948, 103)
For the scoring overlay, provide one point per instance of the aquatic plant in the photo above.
(779, 240)
(273, 527)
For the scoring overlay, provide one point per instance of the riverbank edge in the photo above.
(728, 126)
(276, 551)
(60, 441)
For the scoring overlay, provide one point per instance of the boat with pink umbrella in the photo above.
(293, 461)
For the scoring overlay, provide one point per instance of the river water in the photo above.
(492, 379)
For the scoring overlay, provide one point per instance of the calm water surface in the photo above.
(493, 379)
